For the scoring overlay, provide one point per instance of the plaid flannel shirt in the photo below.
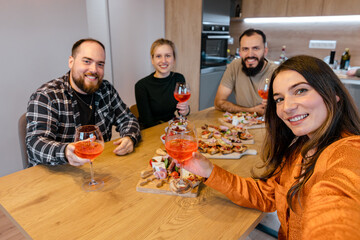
(53, 115)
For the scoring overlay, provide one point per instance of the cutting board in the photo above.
(233, 155)
(199, 130)
(151, 187)
(262, 125)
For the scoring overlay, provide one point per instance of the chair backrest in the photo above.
(134, 110)
(22, 134)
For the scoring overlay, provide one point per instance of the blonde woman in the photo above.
(155, 93)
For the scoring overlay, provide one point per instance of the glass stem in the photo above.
(93, 182)
(180, 174)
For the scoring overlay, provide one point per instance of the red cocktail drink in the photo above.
(263, 94)
(181, 149)
(182, 97)
(87, 149)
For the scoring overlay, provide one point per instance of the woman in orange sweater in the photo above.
(311, 156)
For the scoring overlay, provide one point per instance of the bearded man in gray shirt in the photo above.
(245, 75)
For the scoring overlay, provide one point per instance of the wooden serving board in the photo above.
(150, 187)
(233, 155)
(262, 125)
(250, 141)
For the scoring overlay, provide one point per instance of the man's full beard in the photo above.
(80, 83)
(250, 72)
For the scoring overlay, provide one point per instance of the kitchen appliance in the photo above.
(215, 33)
(214, 46)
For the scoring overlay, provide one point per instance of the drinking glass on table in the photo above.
(182, 94)
(89, 143)
(180, 143)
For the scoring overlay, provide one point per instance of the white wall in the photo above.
(35, 44)
(99, 28)
(134, 26)
(36, 40)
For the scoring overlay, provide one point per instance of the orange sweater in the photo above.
(329, 202)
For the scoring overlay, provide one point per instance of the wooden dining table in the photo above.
(47, 202)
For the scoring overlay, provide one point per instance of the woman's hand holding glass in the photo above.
(180, 143)
(183, 108)
(182, 94)
(199, 165)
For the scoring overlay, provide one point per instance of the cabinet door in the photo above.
(343, 7)
(209, 83)
(304, 8)
(264, 8)
(183, 27)
(354, 90)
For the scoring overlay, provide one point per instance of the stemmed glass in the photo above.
(180, 143)
(182, 94)
(263, 91)
(89, 143)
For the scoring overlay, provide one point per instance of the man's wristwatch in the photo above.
(132, 139)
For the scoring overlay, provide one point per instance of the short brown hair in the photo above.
(78, 43)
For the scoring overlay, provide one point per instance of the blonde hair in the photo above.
(160, 42)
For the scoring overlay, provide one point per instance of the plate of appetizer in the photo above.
(224, 142)
(244, 120)
(235, 135)
(155, 178)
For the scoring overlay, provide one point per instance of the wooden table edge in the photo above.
(12, 220)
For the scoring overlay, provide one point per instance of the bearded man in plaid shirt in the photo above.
(80, 97)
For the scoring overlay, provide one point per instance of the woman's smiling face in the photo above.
(298, 104)
(163, 60)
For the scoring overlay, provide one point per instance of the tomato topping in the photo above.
(191, 178)
(174, 174)
(152, 160)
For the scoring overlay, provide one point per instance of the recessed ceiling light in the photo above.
(317, 19)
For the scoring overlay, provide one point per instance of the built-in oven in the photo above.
(214, 45)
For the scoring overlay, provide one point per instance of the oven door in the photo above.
(214, 50)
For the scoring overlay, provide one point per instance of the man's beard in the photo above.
(89, 89)
(252, 71)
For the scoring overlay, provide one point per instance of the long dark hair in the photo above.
(282, 146)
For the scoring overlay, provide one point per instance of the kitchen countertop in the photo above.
(347, 79)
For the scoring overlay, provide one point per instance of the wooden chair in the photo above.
(22, 134)
(134, 110)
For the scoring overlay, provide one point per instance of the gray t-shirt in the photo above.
(245, 88)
